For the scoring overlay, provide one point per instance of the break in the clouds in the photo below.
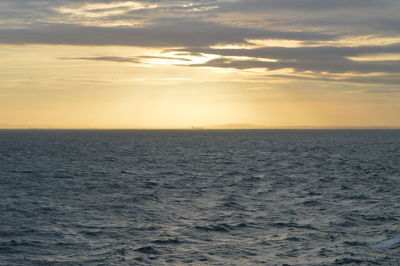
(314, 39)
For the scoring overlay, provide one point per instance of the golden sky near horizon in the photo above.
(178, 64)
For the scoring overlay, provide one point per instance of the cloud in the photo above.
(307, 5)
(98, 10)
(120, 59)
(290, 53)
(339, 16)
(385, 91)
(323, 37)
(333, 65)
(117, 59)
(165, 33)
(316, 59)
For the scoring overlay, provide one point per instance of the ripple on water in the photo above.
(199, 197)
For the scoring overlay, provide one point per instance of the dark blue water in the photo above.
(199, 197)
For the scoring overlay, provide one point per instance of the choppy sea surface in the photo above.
(246, 197)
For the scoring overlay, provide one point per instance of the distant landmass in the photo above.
(254, 126)
(237, 126)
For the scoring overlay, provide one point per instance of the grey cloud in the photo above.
(384, 79)
(238, 64)
(332, 65)
(341, 16)
(328, 5)
(284, 53)
(162, 33)
(387, 24)
(172, 25)
(120, 59)
(380, 15)
(318, 59)
(105, 58)
(25, 12)
(301, 59)
(385, 91)
(383, 22)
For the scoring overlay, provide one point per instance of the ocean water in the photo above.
(247, 197)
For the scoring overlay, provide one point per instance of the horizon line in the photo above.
(203, 128)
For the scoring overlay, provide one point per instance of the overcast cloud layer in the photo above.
(315, 39)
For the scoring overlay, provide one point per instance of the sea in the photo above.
(199, 197)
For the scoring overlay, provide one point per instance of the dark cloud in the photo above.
(284, 53)
(307, 5)
(169, 32)
(331, 65)
(316, 59)
(230, 63)
(384, 91)
(362, 17)
(383, 79)
(120, 59)
(174, 23)
(15, 13)
(105, 58)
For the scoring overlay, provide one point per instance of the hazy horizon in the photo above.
(210, 127)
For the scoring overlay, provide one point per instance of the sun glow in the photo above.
(99, 10)
(174, 58)
(135, 63)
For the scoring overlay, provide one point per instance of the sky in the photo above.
(203, 63)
